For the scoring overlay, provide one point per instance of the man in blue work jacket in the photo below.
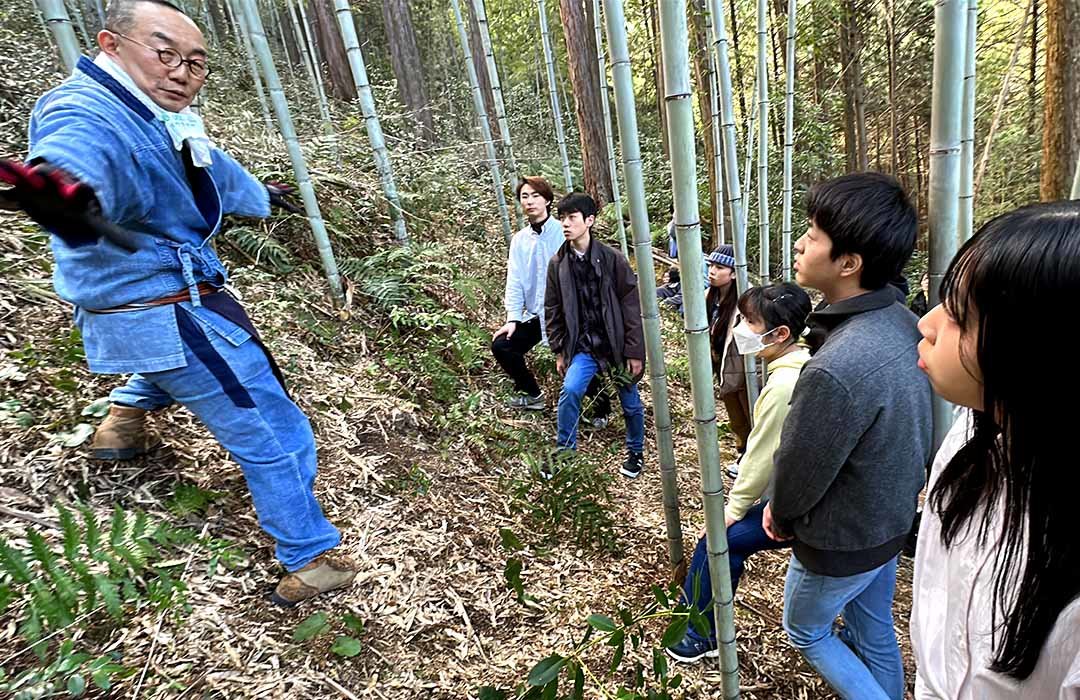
(121, 173)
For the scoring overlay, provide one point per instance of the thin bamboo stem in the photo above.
(309, 66)
(553, 90)
(500, 106)
(244, 33)
(601, 67)
(714, 123)
(316, 67)
(966, 216)
(943, 211)
(731, 167)
(481, 117)
(630, 147)
(76, 13)
(371, 117)
(254, 28)
(763, 139)
(59, 24)
(789, 139)
(1075, 192)
(675, 42)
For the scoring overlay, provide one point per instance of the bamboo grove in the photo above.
(696, 107)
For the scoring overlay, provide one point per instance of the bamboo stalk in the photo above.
(943, 208)
(76, 13)
(789, 140)
(254, 28)
(308, 44)
(59, 24)
(601, 67)
(1003, 95)
(731, 167)
(763, 139)
(500, 106)
(1075, 193)
(244, 33)
(966, 216)
(371, 118)
(481, 117)
(275, 16)
(674, 39)
(309, 66)
(626, 111)
(556, 113)
(748, 164)
(714, 123)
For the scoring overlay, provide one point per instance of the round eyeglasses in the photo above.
(198, 68)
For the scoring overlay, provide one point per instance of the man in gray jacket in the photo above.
(856, 442)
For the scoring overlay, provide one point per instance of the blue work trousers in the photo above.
(583, 367)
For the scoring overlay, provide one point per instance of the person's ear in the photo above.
(851, 264)
(107, 41)
(590, 220)
(781, 334)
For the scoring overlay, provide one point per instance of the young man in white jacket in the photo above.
(530, 250)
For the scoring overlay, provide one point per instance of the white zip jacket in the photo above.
(526, 273)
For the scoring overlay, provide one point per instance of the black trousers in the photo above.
(510, 354)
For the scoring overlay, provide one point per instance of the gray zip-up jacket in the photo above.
(857, 439)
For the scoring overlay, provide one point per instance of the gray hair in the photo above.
(120, 14)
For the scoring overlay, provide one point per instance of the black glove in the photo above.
(59, 203)
(278, 193)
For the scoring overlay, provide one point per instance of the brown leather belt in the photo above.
(205, 288)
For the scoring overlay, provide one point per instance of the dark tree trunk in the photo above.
(292, 42)
(408, 68)
(581, 56)
(328, 36)
(217, 19)
(701, 73)
(1033, 93)
(1061, 115)
(854, 91)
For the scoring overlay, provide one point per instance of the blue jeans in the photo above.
(866, 664)
(581, 371)
(745, 537)
(233, 391)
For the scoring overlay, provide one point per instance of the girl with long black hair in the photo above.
(996, 612)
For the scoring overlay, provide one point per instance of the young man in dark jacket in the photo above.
(593, 320)
(856, 440)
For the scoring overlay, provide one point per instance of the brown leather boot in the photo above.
(327, 572)
(123, 435)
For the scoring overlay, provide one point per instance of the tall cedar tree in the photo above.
(408, 68)
(1061, 106)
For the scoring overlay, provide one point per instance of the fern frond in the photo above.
(71, 533)
(13, 563)
(109, 595)
(262, 247)
(92, 534)
(117, 527)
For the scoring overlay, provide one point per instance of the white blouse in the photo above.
(951, 619)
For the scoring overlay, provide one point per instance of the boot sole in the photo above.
(629, 474)
(284, 602)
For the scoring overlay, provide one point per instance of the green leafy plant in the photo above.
(261, 247)
(625, 631)
(67, 673)
(575, 503)
(318, 624)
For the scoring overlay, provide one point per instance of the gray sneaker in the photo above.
(595, 423)
(733, 470)
(527, 403)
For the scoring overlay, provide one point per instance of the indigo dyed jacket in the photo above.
(93, 128)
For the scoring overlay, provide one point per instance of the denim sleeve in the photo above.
(241, 193)
(84, 145)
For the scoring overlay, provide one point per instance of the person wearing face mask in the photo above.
(122, 174)
(720, 302)
(772, 318)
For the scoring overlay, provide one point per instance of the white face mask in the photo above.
(747, 341)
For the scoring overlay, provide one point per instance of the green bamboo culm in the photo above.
(253, 25)
(789, 140)
(371, 118)
(245, 39)
(678, 101)
(943, 207)
(731, 168)
(763, 138)
(77, 17)
(56, 19)
(481, 117)
(312, 48)
(309, 66)
(601, 66)
(626, 111)
(556, 113)
(500, 107)
(1075, 194)
(714, 125)
(275, 14)
(966, 218)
